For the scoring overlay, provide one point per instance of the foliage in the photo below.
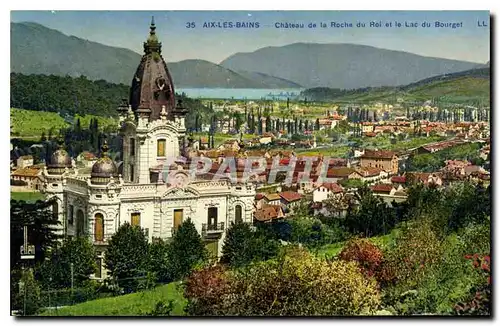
(243, 245)
(29, 293)
(187, 250)
(434, 161)
(127, 256)
(480, 304)
(368, 256)
(55, 271)
(39, 219)
(294, 284)
(206, 289)
(135, 304)
(26, 196)
(371, 216)
(159, 261)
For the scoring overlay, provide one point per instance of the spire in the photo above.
(104, 148)
(152, 45)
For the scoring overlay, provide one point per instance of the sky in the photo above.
(129, 29)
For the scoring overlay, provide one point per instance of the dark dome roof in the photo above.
(104, 167)
(59, 159)
(152, 86)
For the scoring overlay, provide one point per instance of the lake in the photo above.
(241, 93)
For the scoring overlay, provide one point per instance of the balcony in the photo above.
(212, 229)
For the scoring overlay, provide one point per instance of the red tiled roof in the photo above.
(382, 187)
(290, 196)
(398, 179)
(339, 172)
(267, 213)
(259, 196)
(333, 187)
(378, 154)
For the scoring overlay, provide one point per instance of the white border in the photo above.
(204, 5)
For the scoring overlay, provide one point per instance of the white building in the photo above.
(149, 191)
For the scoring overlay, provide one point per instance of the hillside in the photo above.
(28, 123)
(135, 304)
(345, 66)
(201, 73)
(36, 49)
(466, 87)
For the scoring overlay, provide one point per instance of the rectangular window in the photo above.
(161, 147)
(70, 215)
(178, 217)
(135, 219)
(132, 146)
(131, 168)
(98, 270)
(212, 215)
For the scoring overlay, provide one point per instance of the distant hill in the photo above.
(36, 49)
(466, 87)
(345, 66)
(201, 73)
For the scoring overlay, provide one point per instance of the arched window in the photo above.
(160, 150)
(80, 223)
(99, 227)
(238, 214)
(55, 210)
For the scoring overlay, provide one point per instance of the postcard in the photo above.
(250, 163)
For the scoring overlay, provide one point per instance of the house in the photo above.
(232, 145)
(385, 160)
(370, 175)
(268, 213)
(86, 159)
(425, 178)
(272, 199)
(24, 161)
(25, 179)
(367, 127)
(389, 192)
(340, 173)
(290, 199)
(326, 190)
(398, 180)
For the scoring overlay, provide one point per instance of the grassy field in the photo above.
(30, 124)
(26, 196)
(334, 151)
(135, 304)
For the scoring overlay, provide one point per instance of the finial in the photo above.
(104, 148)
(152, 28)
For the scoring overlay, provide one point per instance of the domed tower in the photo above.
(57, 169)
(104, 168)
(59, 161)
(152, 86)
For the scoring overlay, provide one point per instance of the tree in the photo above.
(159, 261)
(236, 250)
(54, 272)
(366, 254)
(127, 256)
(43, 138)
(316, 127)
(29, 294)
(242, 245)
(41, 224)
(187, 250)
(268, 124)
(371, 216)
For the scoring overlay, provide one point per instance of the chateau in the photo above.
(153, 188)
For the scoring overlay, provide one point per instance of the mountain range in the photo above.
(36, 49)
